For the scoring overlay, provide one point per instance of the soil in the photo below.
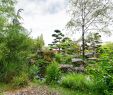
(32, 91)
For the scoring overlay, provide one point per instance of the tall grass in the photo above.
(77, 81)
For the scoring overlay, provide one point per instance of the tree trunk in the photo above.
(83, 43)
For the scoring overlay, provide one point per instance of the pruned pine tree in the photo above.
(90, 16)
(93, 42)
(58, 36)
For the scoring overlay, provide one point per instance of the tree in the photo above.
(14, 43)
(58, 36)
(90, 16)
(93, 42)
(39, 42)
(69, 46)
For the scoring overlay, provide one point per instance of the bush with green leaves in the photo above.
(42, 65)
(20, 80)
(14, 43)
(63, 59)
(106, 51)
(33, 70)
(77, 81)
(58, 58)
(103, 77)
(53, 73)
(67, 59)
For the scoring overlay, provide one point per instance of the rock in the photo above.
(66, 68)
(69, 68)
(77, 62)
(89, 55)
(93, 59)
(79, 69)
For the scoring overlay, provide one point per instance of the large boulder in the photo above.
(66, 68)
(89, 55)
(77, 62)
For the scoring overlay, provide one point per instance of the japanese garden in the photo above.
(65, 66)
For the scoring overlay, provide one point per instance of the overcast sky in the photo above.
(44, 16)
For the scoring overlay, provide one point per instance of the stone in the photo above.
(89, 55)
(77, 62)
(65, 68)
(93, 59)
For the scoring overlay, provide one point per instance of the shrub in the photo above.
(33, 70)
(9, 70)
(67, 59)
(58, 58)
(63, 59)
(103, 78)
(20, 81)
(48, 55)
(77, 81)
(53, 73)
(42, 64)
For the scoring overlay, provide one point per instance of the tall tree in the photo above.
(14, 43)
(90, 16)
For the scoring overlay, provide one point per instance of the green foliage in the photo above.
(69, 46)
(58, 36)
(93, 42)
(39, 42)
(67, 59)
(48, 55)
(102, 73)
(63, 59)
(58, 57)
(53, 73)
(77, 82)
(66, 91)
(15, 51)
(20, 81)
(106, 51)
(42, 64)
(14, 43)
(33, 70)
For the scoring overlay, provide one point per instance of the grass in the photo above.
(61, 90)
(54, 88)
(66, 91)
(3, 87)
(77, 82)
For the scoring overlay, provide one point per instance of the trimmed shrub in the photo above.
(53, 73)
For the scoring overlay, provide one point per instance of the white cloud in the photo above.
(43, 16)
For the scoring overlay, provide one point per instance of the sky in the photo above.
(44, 16)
